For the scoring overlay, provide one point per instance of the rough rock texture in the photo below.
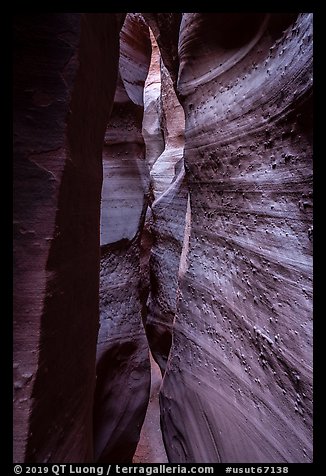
(61, 111)
(152, 121)
(125, 172)
(168, 164)
(165, 224)
(123, 367)
(165, 27)
(230, 278)
(167, 230)
(238, 382)
(150, 448)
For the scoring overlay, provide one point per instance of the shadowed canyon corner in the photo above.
(163, 238)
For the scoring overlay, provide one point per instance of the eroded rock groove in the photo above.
(197, 247)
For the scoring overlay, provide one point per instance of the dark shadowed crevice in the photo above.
(163, 118)
(123, 366)
(168, 316)
(163, 237)
(241, 357)
(60, 425)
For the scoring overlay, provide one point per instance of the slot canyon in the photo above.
(163, 234)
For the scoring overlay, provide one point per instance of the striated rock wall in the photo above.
(123, 367)
(166, 221)
(228, 241)
(167, 230)
(165, 28)
(238, 382)
(61, 111)
(167, 166)
(152, 129)
(125, 172)
(150, 448)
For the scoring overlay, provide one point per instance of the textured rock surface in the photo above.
(125, 172)
(166, 222)
(167, 230)
(60, 116)
(165, 27)
(230, 279)
(123, 368)
(238, 381)
(152, 122)
(166, 167)
(150, 448)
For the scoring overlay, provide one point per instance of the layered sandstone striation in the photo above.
(61, 111)
(169, 164)
(167, 230)
(165, 28)
(123, 367)
(150, 448)
(237, 387)
(152, 129)
(166, 221)
(203, 238)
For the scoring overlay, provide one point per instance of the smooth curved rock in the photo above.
(238, 384)
(152, 122)
(231, 278)
(60, 115)
(125, 172)
(165, 27)
(165, 168)
(166, 223)
(167, 230)
(150, 448)
(123, 367)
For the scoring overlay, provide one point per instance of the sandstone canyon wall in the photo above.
(200, 236)
(61, 64)
(238, 382)
(168, 202)
(123, 368)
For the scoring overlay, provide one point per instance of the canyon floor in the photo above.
(150, 448)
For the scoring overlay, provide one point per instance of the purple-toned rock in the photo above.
(204, 238)
(238, 382)
(60, 115)
(152, 129)
(123, 367)
(165, 224)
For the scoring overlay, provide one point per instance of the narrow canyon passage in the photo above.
(150, 448)
(163, 205)
(140, 174)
